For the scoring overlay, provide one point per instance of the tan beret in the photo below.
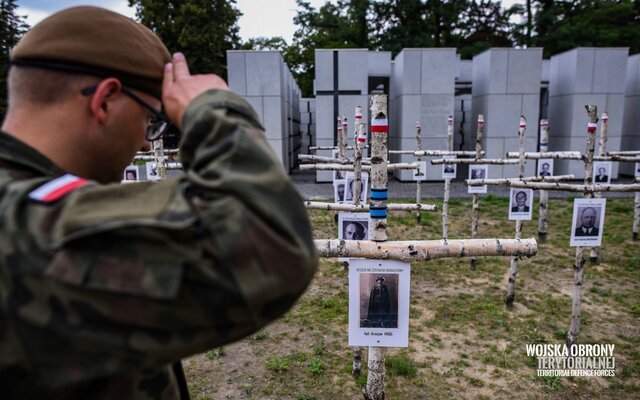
(95, 41)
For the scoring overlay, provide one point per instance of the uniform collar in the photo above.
(19, 153)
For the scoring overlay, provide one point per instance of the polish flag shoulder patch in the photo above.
(57, 188)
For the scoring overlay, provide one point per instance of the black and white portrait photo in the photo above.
(449, 170)
(350, 187)
(379, 300)
(602, 172)
(545, 167)
(131, 173)
(520, 204)
(478, 172)
(379, 303)
(637, 173)
(420, 174)
(338, 191)
(588, 222)
(353, 226)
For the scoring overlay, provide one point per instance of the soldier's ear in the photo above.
(102, 99)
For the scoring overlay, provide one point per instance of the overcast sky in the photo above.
(260, 17)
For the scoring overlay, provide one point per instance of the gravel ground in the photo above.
(310, 190)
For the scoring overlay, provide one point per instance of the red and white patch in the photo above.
(57, 188)
(380, 125)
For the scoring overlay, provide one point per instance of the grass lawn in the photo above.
(463, 342)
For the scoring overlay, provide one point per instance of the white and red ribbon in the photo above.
(592, 126)
(380, 125)
(57, 188)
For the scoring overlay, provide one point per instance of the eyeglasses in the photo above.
(158, 124)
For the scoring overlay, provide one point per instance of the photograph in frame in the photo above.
(637, 173)
(131, 173)
(602, 172)
(478, 172)
(338, 191)
(588, 222)
(520, 204)
(449, 170)
(379, 303)
(350, 181)
(545, 167)
(420, 174)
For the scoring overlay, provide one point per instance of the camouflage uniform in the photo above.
(105, 287)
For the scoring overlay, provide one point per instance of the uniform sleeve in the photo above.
(147, 273)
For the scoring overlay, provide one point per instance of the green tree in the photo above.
(12, 27)
(202, 29)
(265, 43)
(484, 24)
(564, 25)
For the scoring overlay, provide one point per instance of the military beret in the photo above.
(99, 42)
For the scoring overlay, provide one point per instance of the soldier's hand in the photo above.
(179, 87)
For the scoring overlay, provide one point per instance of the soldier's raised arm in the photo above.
(104, 285)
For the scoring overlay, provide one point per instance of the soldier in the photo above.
(103, 286)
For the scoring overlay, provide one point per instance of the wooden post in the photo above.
(544, 195)
(476, 196)
(418, 148)
(360, 129)
(374, 389)
(578, 273)
(345, 133)
(602, 151)
(636, 216)
(447, 183)
(513, 268)
(341, 144)
(160, 159)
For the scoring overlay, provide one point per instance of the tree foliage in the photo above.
(202, 29)
(12, 27)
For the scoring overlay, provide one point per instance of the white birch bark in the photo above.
(318, 205)
(508, 181)
(624, 153)
(447, 182)
(475, 203)
(636, 216)
(563, 155)
(329, 160)
(544, 195)
(374, 389)
(360, 137)
(468, 161)
(349, 167)
(341, 143)
(513, 267)
(578, 274)
(565, 187)
(435, 153)
(602, 150)
(425, 250)
(418, 182)
(160, 159)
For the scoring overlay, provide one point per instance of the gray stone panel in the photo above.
(379, 63)
(274, 118)
(264, 73)
(438, 71)
(353, 70)
(236, 72)
(631, 124)
(410, 74)
(324, 70)
(524, 71)
(608, 66)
